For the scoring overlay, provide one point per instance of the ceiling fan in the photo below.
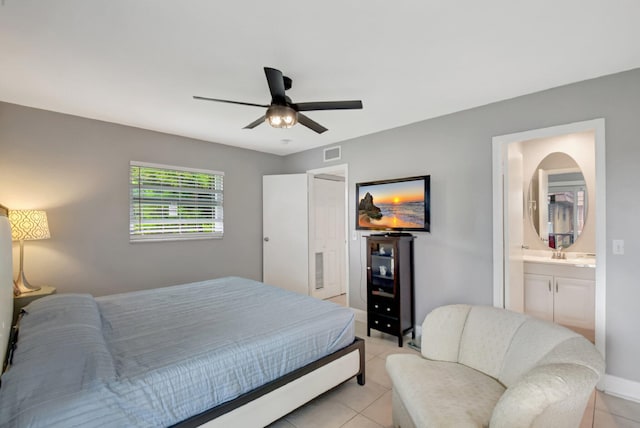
(282, 113)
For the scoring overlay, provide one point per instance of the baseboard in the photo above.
(620, 387)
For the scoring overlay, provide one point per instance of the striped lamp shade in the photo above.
(28, 225)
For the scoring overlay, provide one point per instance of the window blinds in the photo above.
(174, 203)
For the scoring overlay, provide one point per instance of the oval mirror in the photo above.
(557, 202)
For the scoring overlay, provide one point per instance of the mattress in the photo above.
(156, 357)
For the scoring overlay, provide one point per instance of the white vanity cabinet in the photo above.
(538, 296)
(559, 293)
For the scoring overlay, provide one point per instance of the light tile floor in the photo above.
(353, 406)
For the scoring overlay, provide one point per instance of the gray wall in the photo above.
(454, 262)
(77, 170)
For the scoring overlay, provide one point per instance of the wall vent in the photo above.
(319, 271)
(332, 153)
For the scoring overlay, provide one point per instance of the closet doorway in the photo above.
(328, 231)
(305, 232)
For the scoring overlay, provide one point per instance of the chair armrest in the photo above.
(550, 395)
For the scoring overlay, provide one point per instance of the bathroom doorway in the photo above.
(526, 276)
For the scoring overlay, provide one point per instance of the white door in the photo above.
(285, 243)
(538, 296)
(327, 258)
(514, 235)
(575, 302)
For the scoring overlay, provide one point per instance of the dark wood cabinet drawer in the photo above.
(385, 324)
(383, 306)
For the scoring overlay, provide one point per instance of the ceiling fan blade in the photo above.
(276, 83)
(329, 105)
(195, 97)
(311, 124)
(255, 123)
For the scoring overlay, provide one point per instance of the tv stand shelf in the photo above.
(390, 304)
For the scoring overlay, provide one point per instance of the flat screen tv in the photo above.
(397, 205)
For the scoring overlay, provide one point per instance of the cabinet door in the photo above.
(538, 296)
(575, 302)
(381, 267)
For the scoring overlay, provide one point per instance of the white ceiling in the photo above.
(139, 62)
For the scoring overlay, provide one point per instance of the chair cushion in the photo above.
(486, 338)
(576, 350)
(441, 331)
(443, 394)
(533, 340)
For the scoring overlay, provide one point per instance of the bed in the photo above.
(223, 352)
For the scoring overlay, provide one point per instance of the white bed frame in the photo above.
(257, 408)
(272, 401)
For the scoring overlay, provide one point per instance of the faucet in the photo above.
(559, 254)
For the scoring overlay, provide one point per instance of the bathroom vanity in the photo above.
(559, 243)
(561, 291)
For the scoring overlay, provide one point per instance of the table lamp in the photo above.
(27, 225)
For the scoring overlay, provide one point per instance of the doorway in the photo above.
(509, 225)
(304, 222)
(328, 231)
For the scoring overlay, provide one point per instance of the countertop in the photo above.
(571, 260)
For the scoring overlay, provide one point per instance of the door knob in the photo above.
(266, 239)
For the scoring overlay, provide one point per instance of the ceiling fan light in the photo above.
(275, 121)
(279, 116)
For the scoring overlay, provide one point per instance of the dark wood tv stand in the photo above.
(390, 302)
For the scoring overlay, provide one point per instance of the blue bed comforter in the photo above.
(154, 358)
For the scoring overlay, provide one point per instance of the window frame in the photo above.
(216, 204)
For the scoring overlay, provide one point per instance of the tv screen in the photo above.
(401, 204)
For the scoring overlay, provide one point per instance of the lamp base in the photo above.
(21, 285)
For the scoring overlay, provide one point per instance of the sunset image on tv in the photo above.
(395, 205)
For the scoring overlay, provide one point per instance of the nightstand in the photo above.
(24, 299)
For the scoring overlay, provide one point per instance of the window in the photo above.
(172, 203)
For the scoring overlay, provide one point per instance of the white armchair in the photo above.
(483, 366)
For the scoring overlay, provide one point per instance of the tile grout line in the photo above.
(352, 418)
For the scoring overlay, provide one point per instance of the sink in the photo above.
(571, 261)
